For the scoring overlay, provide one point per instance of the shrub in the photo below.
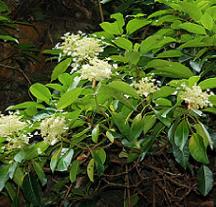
(160, 91)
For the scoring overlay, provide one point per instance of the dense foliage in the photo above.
(143, 83)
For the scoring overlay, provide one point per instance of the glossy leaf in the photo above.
(27, 104)
(68, 98)
(197, 149)
(110, 136)
(65, 159)
(181, 156)
(124, 87)
(60, 68)
(207, 21)
(181, 134)
(136, 127)
(31, 151)
(54, 159)
(208, 83)
(136, 24)
(205, 180)
(8, 38)
(40, 173)
(193, 28)
(74, 170)
(31, 190)
(95, 133)
(90, 170)
(4, 176)
(41, 92)
(172, 69)
(202, 131)
(170, 53)
(148, 122)
(123, 43)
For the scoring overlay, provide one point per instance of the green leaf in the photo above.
(146, 145)
(160, 13)
(208, 83)
(105, 1)
(55, 86)
(40, 173)
(181, 134)
(192, 9)
(193, 80)
(66, 79)
(133, 57)
(115, 27)
(32, 151)
(154, 42)
(3, 7)
(90, 170)
(8, 38)
(65, 159)
(119, 121)
(197, 149)
(119, 58)
(148, 122)
(181, 156)
(207, 21)
(68, 98)
(106, 92)
(205, 180)
(52, 51)
(41, 92)
(136, 24)
(110, 136)
(99, 156)
(95, 133)
(170, 53)
(164, 91)
(4, 176)
(123, 43)
(136, 127)
(171, 69)
(19, 176)
(60, 68)
(124, 88)
(75, 166)
(193, 28)
(163, 102)
(11, 191)
(31, 190)
(202, 131)
(54, 159)
(27, 104)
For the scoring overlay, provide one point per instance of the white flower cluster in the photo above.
(84, 51)
(17, 142)
(10, 125)
(146, 86)
(195, 97)
(80, 47)
(11, 128)
(96, 69)
(53, 129)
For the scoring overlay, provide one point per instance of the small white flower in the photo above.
(146, 86)
(53, 129)
(195, 97)
(17, 142)
(96, 70)
(80, 47)
(10, 125)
